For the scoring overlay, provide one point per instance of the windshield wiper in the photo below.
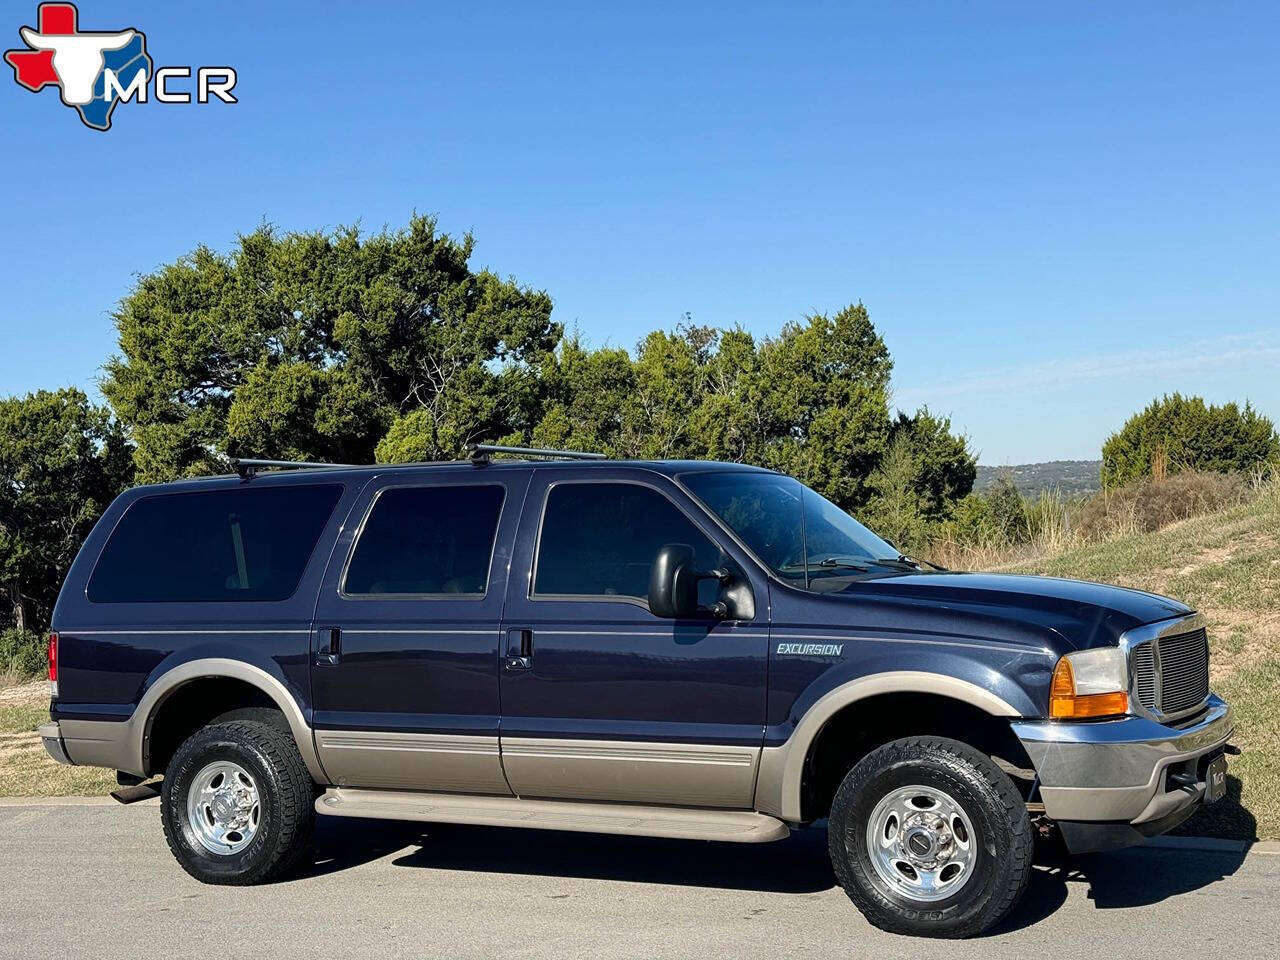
(901, 560)
(910, 563)
(843, 563)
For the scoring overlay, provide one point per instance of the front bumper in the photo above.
(1119, 771)
(51, 736)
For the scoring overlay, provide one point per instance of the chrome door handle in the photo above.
(519, 663)
(329, 647)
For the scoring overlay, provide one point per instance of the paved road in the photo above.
(98, 881)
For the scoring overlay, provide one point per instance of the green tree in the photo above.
(813, 401)
(62, 460)
(585, 399)
(314, 345)
(943, 466)
(971, 522)
(1007, 511)
(1177, 432)
(895, 509)
(823, 390)
(344, 347)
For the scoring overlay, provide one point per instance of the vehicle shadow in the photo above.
(1126, 878)
(796, 865)
(1134, 877)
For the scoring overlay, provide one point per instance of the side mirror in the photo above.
(673, 584)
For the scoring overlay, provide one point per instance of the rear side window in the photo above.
(244, 544)
(427, 541)
(600, 540)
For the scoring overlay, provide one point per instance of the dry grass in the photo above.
(10, 679)
(1154, 504)
(25, 769)
(1055, 523)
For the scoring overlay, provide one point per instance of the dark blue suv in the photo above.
(674, 649)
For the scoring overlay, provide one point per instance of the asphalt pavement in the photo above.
(96, 880)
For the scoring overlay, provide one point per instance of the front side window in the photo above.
(600, 540)
(427, 541)
(246, 544)
(800, 535)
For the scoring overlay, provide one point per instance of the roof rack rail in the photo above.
(248, 468)
(480, 453)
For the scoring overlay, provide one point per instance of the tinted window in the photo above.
(600, 539)
(427, 540)
(223, 545)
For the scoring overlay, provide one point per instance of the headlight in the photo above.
(1090, 684)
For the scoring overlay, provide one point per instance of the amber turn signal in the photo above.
(1066, 704)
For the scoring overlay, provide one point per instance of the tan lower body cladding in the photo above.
(675, 774)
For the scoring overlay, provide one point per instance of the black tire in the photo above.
(1000, 864)
(285, 793)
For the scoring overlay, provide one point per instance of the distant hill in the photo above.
(1068, 476)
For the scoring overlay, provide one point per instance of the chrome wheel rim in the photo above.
(921, 843)
(223, 808)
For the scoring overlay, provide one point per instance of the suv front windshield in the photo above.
(800, 535)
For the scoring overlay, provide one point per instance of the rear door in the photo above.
(405, 641)
(601, 700)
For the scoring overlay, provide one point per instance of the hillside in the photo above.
(1227, 566)
(1068, 476)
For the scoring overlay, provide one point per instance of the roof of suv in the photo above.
(312, 473)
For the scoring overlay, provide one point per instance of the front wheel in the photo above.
(237, 803)
(929, 837)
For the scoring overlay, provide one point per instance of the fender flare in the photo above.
(782, 767)
(171, 681)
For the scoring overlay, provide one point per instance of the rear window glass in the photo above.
(427, 541)
(241, 545)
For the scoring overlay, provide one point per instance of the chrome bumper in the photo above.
(51, 736)
(1117, 770)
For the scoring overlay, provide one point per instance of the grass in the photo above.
(25, 769)
(1227, 566)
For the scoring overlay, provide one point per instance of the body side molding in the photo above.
(782, 767)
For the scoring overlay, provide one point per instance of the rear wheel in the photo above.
(237, 803)
(929, 837)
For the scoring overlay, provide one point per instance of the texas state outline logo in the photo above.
(96, 70)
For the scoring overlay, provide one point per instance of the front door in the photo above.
(601, 700)
(406, 635)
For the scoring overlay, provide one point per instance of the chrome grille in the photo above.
(1144, 675)
(1184, 671)
(1171, 674)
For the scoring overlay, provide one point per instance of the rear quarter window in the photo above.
(240, 545)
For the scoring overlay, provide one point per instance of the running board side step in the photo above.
(681, 823)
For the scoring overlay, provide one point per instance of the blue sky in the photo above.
(1053, 212)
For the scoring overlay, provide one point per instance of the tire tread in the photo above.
(963, 763)
(293, 802)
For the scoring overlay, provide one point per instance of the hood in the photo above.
(1081, 613)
